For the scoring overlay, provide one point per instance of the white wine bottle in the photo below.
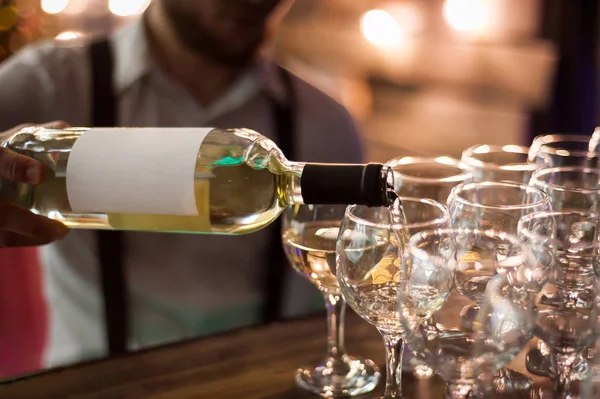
(195, 180)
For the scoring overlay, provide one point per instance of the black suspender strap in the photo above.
(110, 244)
(284, 118)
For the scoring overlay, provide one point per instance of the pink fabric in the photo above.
(23, 311)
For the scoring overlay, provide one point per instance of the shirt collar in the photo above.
(133, 61)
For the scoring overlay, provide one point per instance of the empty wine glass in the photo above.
(499, 163)
(494, 205)
(427, 177)
(309, 234)
(566, 308)
(433, 282)
(570, 187)
(497, 206)
(557, 150)
(368, 266)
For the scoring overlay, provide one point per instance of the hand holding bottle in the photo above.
(19, 226)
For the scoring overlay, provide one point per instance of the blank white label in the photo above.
(135, 170)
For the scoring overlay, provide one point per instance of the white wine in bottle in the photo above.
(196, 180)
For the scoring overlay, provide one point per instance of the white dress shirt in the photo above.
(180, 285)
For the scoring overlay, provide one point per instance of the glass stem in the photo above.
(336, 311)
(394, 348)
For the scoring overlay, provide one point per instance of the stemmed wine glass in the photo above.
(432, 285)
(497, 206)
(309, 234)
(368, 268)
(499, 163)
(427, 177)
(568, 242)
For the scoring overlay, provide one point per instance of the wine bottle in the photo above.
(196, 180)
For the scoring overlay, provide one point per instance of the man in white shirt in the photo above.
(184, 63)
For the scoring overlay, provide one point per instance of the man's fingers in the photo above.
(17, 167)
(20, 221)
(56, 125)
(8, 239)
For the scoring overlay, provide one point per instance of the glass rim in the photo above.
(443, 218)
(526, 232)
(421, 254)
(560, 169)
(488, 184)
(468, 157)
(547, 140)
(423, 160)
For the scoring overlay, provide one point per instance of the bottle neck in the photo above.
(339, 184)
(292, 184)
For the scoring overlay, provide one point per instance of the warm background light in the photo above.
(69, 35)
(468, 15)
(381, 28)
(54, 6)
(125, 8)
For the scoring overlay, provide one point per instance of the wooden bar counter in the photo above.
(251, 363)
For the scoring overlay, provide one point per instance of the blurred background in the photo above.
(420, 76)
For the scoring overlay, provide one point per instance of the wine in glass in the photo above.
(309, 234)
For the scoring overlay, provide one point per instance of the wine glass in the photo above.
(496, 206)
(433, 283)
(368, 266)
(570, 187)
(573, 187)
(499, 163)
(568, 242)
(427, 177)
(309, 234)
(556, 150)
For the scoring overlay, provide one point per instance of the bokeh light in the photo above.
(381, 28)
(54, 6)
(125, 8)
(468, 15)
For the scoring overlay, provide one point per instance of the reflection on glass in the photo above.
(427, 177)
(498, 163)
(556, 150)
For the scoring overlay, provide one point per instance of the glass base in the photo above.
(360, 376)
(538, 362)
(510, 381)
